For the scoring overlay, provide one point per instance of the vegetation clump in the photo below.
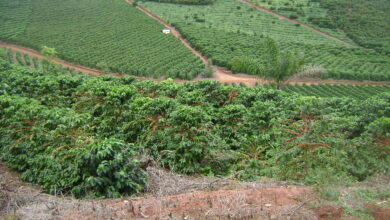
(87, 135)
(273, 63)
(186, 2)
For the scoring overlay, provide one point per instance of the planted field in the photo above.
(365, 22)
(89, 136)
(307, 11)
(356, 92)
(229, 28)
(98, 33)
(23, 59)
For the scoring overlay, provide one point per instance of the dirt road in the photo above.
(34, 53)
(222, 75)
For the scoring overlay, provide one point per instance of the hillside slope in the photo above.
(92, 136)
(105, 34)
(228, 29)
(365, 22)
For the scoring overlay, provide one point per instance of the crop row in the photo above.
(230, 28)
(326, 90)
(307, 11)
(34, 62)
(364, 22)
(103, 31)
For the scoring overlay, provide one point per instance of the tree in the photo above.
(277, 65)
(49, 53)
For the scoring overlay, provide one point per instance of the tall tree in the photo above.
(278, 65)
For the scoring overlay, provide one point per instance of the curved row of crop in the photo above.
(92, 33)
(229, 29)
(357, 92)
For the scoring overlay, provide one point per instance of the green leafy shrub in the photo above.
(53, 148)
(83, 135)
(186, 2)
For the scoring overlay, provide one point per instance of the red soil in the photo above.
(222, 75)
(329, 213)
(379, 213)
(222, 204)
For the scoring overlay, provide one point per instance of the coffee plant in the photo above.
(86, 135)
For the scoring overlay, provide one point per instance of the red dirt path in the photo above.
(222, 75)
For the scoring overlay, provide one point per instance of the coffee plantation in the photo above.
(88, 136)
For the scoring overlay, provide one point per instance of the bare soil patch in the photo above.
(328, 212)
(379, 213)
(168, 196)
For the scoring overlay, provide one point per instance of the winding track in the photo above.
(222, 75)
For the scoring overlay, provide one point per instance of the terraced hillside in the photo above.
(230, 28)
(108, 33)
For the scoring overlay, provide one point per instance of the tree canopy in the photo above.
(279, 65)
(272, 63)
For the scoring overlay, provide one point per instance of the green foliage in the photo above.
(273, 63)
(10, 56)
(362, 21)
(19, 58)
(110, 170)
(27, 59)
(3, 53)
(245, 64)
(48, 52)
(365, 22)
(330, 194)
(227, 33)
(326, 90)
(36, 63)
(53, 148)
(103, 66)
(186, 2)
(85, 135)
(88, 32)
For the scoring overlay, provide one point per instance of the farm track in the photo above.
(296, 22)
(225, 76)
(222, 75)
